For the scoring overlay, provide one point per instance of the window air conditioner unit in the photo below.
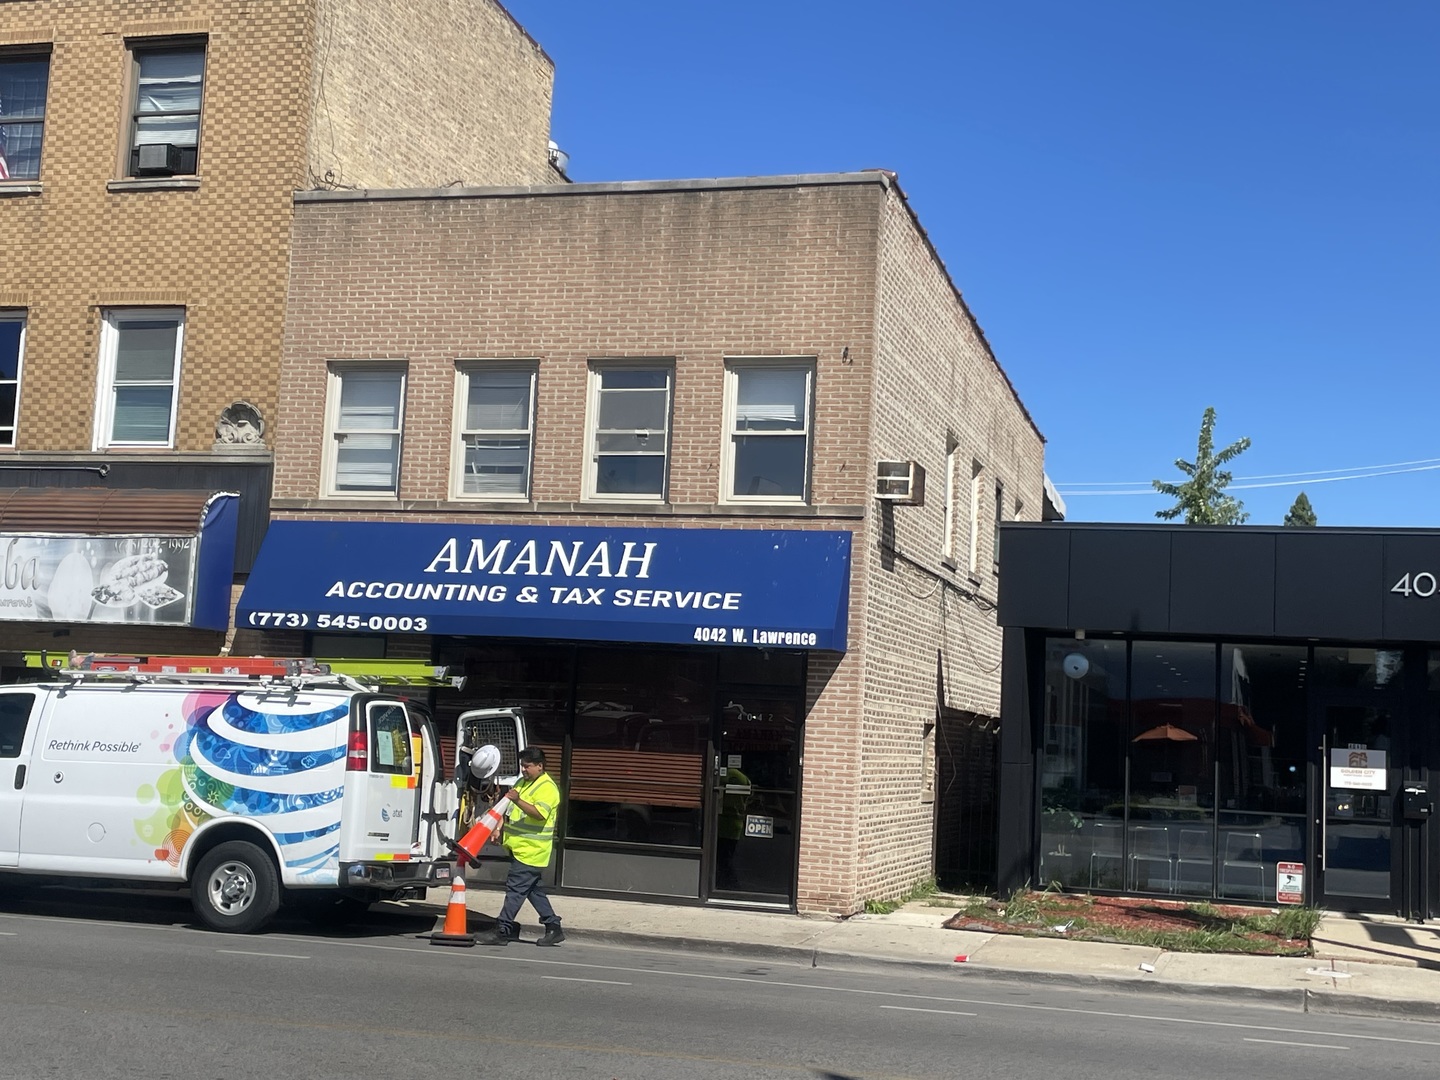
(900, 482)
(157, 159)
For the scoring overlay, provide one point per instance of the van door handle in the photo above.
(19, 777)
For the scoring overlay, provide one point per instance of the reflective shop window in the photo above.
(1082, 763)
(1172, 763)
(1357, 669)
(642, 726)
(533, 677)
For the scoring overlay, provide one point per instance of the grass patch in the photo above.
(1177, 927)
(921, 890)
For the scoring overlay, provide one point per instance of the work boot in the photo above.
(553, 935)
(493, 937)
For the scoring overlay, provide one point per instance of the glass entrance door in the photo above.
(755, 797)
(1361, 858)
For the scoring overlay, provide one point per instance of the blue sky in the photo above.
(1151, 206)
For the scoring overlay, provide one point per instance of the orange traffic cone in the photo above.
(471, 843)
(455, 930)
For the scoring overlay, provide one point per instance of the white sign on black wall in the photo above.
(143, 580)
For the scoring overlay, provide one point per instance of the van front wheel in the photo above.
(235, 888)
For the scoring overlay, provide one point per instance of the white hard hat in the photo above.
(485, 762)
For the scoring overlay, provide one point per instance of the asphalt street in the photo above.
(134, 990)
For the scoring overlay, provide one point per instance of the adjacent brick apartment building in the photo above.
(612, 450)
(149, 152)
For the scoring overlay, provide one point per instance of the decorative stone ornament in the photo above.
(240, 427)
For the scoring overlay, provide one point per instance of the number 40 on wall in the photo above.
(1411, 584)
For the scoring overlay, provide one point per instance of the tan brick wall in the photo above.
(837, 271)
(219, 250)
(562, 278)
(935, 378)
(473, 106)
(393, 87)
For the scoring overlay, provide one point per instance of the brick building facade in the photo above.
(151, 151)
(414, 316)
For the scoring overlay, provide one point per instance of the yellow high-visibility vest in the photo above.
(528, 840)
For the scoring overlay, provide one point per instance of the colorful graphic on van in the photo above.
(274, 758)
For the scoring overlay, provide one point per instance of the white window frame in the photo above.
(463, 370)
(952, 472)
(598, 369)
(734, 366)
(977, 486)
(20, 317)
(999, 517)
(112, 321)
(336, 370)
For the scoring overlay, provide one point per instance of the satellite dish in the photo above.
(485, 762)
(1075, 665)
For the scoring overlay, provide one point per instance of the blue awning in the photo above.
(785, 589)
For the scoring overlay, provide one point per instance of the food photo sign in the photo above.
(144, 580)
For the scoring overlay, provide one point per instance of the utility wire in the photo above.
(1247, 487)
(1259, 476)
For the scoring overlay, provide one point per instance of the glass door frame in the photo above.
(1400, 704)
(711, 891)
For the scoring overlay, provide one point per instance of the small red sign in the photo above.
(1290, 883)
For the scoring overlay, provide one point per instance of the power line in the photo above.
(1315, 479)
(1260, 476)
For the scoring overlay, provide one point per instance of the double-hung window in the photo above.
(12, 356)
(629, 430)
(999, 517)
(24, 81)
(494, 430)
(165, 121)
(365, 415)
(767, 419)
(952, 470)
(139, 377)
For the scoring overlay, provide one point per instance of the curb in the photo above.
(1300, 999)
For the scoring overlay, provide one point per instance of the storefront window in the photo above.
(536, 678)
(642, 726)
(1358, 669)
(1172, 771)
(1261, 756)
(1082, 779)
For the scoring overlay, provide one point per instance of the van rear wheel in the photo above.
(235, 888)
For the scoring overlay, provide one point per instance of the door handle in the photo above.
(19, 777)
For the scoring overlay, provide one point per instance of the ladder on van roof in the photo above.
(416, 673)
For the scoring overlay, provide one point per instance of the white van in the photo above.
(319, 786)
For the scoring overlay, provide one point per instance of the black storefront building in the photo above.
(1244, 714)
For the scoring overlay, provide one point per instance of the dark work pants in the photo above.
(523, 883)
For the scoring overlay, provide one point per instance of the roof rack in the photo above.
(290, 670)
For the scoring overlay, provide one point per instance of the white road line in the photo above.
(568, 978)
(275, 955)
(942, 1012)
(1313, 1046)
(969, 1001)
(8, 933)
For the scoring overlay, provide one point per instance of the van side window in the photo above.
(390, 739)
(14, 715)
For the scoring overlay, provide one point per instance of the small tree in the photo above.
(1202, 499)
(1300, 514)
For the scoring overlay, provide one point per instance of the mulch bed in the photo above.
(1112, 913)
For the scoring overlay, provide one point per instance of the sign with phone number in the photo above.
(767, 588)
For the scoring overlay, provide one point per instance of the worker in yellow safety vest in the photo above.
(529, 836)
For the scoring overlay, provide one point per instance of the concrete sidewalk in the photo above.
(1367, 965)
